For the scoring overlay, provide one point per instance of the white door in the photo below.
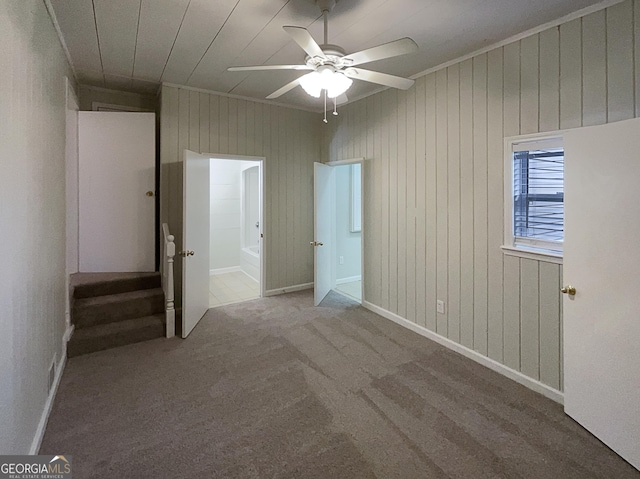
(324, 197)
(195, 240)
(602, 261)
(117, 164)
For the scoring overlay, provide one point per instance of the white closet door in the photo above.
(116, 191)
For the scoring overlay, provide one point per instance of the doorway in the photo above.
(235, 231)
(338, 229)
(348, 231)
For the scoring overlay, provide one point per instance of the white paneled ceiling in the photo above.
(136, 44)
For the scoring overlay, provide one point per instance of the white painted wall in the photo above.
(32, 218)
(289, 139)
(225, 213)
(434, 182)
(348, 244)
(250, 204)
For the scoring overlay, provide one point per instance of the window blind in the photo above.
(538, 181)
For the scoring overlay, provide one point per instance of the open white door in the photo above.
(324, 197)
(602, 261)
(195, 240)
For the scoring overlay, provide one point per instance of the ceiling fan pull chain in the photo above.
(325, 106)
(335, 105)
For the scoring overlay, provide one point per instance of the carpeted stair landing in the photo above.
(114, 309)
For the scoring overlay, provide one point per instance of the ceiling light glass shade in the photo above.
(311, 83)
(336, 83)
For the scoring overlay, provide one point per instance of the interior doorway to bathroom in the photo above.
(236, 230)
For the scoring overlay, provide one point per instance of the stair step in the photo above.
(87, 285)
(111, 308)
(112, 335)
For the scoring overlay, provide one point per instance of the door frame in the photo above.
(261, 160)
(72, 215)
(362, 162)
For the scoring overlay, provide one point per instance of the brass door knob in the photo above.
(187, 253)
(149, 193)
(315, 243)
(570, 290)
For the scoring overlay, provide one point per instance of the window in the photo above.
(535, 194)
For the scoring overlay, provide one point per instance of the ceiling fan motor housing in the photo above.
(333, 56)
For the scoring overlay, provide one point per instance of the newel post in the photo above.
(169, 293)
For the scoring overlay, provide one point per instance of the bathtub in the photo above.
(250, 261)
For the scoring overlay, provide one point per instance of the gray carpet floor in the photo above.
(275, 388)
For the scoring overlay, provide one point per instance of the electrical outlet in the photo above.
(341, 259)
(440, 306)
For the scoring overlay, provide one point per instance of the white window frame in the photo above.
(527, 248)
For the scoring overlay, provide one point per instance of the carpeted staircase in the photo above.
(114, 309)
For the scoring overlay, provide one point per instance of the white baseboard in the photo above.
(350, 279)
(288, 289)
(44, 418)
(517, 376)
(232, 269)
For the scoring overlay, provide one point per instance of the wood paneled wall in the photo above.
(433, 194)
(32, 218)
(290, 141)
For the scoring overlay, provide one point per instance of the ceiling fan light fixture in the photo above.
(335, 83)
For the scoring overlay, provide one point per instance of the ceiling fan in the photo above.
(332, 70)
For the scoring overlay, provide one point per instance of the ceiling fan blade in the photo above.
(284, 89)
(268, 67)
(342, 99)
(303, 38)
(391, 49)
(379, 78)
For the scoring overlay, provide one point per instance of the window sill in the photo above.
(530, 253)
